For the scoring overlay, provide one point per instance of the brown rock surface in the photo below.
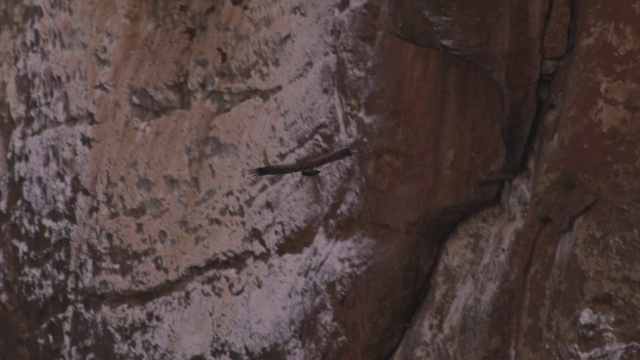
(491, 213)
(500, 37)
(551, 271)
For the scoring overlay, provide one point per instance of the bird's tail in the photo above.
(256, 172)
(354, 149)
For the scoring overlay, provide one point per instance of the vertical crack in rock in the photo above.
(464, 325)
(130, 228)
(557, 41)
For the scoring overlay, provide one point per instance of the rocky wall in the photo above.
(550, 272)
(490, 212)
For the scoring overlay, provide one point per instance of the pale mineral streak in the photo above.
(130, 127)
(492, 211)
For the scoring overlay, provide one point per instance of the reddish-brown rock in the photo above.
(130, 227)
(500, 37)
(581, 288)
(558, 30)
(554, 274)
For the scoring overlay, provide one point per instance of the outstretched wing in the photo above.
(276, 170)
(327, 158)
(305, 164)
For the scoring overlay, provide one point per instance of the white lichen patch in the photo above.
(245, 312)
(136, 222)
(598, 330)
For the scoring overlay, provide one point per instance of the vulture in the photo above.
(307, 166)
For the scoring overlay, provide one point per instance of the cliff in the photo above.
(491, 213)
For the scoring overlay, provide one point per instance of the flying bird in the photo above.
(307, 166)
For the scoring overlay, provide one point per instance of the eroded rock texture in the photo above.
(491, 213)
(550, 272)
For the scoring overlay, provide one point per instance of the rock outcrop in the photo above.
(491, 212)
(549, 272)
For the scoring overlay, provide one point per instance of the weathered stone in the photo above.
(551, 272)
(557, 33)
(500, 37)
(130, 228)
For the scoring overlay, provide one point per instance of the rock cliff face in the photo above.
(492, 212)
